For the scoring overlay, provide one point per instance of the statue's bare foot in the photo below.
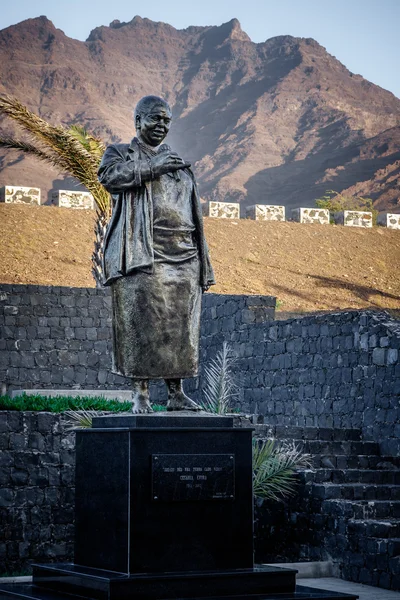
(179, 401)
(141, 404)
(141, 397)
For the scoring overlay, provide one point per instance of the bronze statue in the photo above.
(155, 259)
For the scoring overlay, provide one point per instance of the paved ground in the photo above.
(365, 592)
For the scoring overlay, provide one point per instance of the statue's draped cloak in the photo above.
(156, 261)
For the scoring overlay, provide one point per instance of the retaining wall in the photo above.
(331, 370)
(37, 494)
(60, 337)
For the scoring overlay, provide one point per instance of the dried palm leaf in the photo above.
(219, 386)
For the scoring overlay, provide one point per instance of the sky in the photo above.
(362, 34)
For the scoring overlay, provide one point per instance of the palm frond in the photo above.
(13, 144)
(219, 385)
(97, 256)
(91, 143)
(67, 150)
(275, 467)
(74, 151)
(45, 155)
(80, 419)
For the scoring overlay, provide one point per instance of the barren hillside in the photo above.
(278, 122)
(308, 267)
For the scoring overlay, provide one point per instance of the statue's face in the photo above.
(153, 126)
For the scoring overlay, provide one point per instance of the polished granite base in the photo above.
(63, 581)
(106, 585)
(159, 494)
(31, 592)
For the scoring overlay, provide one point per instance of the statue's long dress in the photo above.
(156, 316)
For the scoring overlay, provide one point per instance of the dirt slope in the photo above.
(308, 267)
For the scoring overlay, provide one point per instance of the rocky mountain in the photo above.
(277, 122)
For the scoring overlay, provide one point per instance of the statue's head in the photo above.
(152, 120)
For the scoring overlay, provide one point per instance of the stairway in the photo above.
(348, 506)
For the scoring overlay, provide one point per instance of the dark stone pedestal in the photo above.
(167, 494)
(164, 510)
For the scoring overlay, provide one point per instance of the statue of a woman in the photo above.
(155, 259)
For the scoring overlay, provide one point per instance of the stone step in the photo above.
(361, 461)
(388, 548)
(349, 448)
(362, 509)
(329, 448)
(373, 528)
(372, 476)
(317, 433)
(286, 432)
(355, 491)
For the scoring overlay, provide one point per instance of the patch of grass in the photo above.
(16, 574)
(60, 404)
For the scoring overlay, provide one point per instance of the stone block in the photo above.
(353, 218)
(389, 220)
(222, 210)
(311, 215)
(392, 356)
(16, 194)
(73, 199)
(378, 356)
(265, 212)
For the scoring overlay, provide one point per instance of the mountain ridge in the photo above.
(271, 122)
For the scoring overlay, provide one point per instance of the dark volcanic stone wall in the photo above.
(37, 466)
(60, 337)
(331, 370)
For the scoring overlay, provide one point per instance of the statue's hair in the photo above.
(146, 103)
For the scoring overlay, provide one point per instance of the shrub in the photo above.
(336, 202)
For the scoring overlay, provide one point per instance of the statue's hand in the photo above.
(167, 162)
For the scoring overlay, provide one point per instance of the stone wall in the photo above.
(37, 468)
(37, 473)
(331, 370)
(58, 337)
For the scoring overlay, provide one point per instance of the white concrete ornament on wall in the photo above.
(222, 210)
(354, 218)
(265, 212)
(17, 194)
(71, 199)
(311, 215)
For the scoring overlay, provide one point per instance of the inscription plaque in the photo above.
(186, 477)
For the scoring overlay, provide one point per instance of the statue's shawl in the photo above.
(128, 242)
